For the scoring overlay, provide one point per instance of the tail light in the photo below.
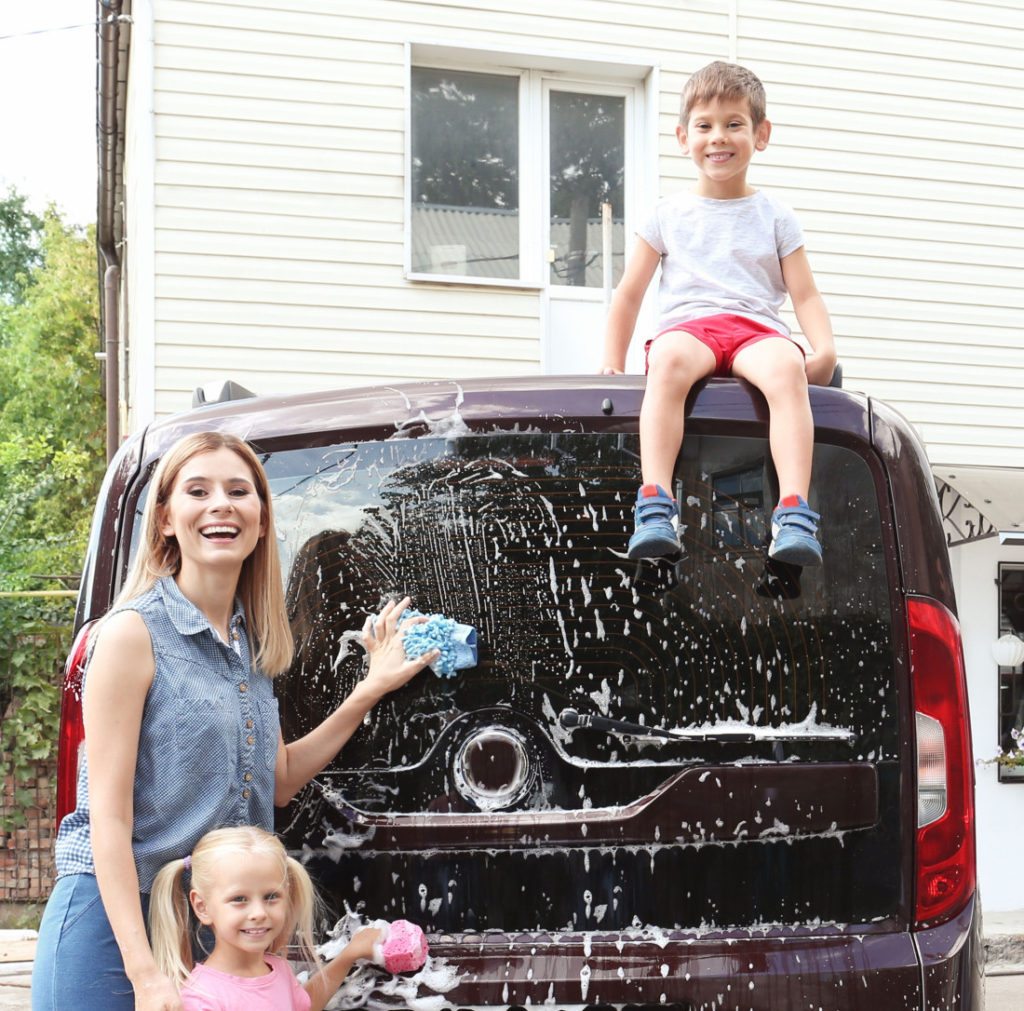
(72, 729)
(945, 856)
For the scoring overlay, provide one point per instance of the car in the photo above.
(706, 781)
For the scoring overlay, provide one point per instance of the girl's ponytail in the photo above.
(169, 922)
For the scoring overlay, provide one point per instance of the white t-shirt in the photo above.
(721, 256)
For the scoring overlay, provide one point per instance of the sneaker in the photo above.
(657, 519)
(794, 530)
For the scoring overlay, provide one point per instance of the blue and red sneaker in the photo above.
(657, 522)
(794, 533)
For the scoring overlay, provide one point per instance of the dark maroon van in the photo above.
(704, 782)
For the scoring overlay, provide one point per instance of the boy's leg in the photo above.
(676, 361)
(776, 367)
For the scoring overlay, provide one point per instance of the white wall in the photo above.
(279, 181)
(1000, 806)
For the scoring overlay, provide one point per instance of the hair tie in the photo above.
(187, 861)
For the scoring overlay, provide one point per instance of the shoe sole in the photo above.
(652, 549)
(796, 554)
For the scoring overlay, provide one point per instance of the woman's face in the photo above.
(213, 510)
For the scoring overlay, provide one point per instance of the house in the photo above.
(299, 194)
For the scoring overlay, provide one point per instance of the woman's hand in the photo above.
(382, 637)
(155, 992)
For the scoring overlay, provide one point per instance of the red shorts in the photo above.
(726, 335)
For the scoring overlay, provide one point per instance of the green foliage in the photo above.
(35, 635)
(52, 441)
(20, 234)
(52, 458)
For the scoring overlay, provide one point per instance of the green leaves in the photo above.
(52, 459)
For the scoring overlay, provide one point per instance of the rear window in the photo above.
(523, 536)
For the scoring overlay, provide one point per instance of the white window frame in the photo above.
(537, 73)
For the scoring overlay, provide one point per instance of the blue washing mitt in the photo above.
(456, 642)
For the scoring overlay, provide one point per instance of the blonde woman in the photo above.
(181, 724)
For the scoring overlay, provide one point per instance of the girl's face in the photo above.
(213, 510)
(247, 909)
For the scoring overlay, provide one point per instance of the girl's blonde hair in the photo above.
(259, 584)
(172, 922)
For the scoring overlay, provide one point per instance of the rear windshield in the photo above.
(523, 536)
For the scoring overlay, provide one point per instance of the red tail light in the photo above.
(72, 730)
(945, 857)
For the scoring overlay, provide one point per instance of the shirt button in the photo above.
(243, 688)
(248, 776)
(235, 636)
(248, 724)
(249, 740)
(245, 794)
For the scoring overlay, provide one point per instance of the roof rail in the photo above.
(230, 390)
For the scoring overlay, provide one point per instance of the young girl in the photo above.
(255, 899)
(181, 724)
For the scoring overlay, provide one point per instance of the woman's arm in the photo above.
(118, 679)
(299, 761)
(812, 316)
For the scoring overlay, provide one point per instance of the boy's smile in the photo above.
(720, 137)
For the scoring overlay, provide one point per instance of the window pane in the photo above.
(1011, 679)
(588, 137)
(465, 173)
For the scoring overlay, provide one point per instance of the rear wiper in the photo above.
(570, 719)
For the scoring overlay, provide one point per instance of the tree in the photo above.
(51, 409)
(52, 458)
(20, 235)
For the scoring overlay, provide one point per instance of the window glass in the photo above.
(588, 147)
(1011, 688)
(523, 537)
(465, 173)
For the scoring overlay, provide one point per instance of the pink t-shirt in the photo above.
(212, 990)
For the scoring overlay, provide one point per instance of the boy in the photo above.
(729, 255)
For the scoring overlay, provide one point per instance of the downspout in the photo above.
(108, 30)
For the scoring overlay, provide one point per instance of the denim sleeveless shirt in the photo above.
(207, 746)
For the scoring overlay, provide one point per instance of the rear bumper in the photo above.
(881, 971)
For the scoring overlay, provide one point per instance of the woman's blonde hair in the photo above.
(259, 584)
(173, 923)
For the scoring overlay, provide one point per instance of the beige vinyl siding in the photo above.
(898, 137)
(280, 171)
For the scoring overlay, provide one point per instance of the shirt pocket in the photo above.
(269, 728)
(207, 736)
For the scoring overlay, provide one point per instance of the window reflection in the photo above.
(465, 173)
(588, 136)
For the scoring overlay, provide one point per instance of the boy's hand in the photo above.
(611, 370)
(819, 368)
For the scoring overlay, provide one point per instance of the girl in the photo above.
(181, 724)
(255, 899)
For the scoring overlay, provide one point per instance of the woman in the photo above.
(181, 725)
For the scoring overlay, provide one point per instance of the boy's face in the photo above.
(721, 138)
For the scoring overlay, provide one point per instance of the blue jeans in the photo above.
(78, 963)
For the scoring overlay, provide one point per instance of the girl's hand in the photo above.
(156, 992)
(361, 945)
(389, 668)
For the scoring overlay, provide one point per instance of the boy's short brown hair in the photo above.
(723, 80)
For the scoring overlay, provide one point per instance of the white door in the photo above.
(589, 152)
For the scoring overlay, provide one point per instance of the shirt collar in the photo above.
(185, 616)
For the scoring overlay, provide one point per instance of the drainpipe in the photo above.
(108, 30)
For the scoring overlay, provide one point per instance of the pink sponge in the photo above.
(403, 948)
